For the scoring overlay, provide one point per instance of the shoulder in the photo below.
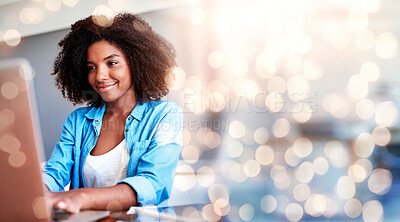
(81, 113)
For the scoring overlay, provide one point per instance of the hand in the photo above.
(71, 201)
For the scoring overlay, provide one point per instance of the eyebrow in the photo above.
(108, 57)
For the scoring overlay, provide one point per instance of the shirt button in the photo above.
(126, 130)
(96, 121)
(129, 118)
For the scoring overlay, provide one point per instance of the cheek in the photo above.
(91, 78)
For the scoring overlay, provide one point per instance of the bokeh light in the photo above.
(246, 212)
(372, 211)
(302, 112)
(39, 207)
(252, 168)
(281, 127)
(337, 154)
(212, 140)
(7, 118)
(31, 15)
(264, 155)
(358, 87)
(321, 165)
(261, 135)
(386, 114)
(9, 90)
(275, 102)
(302, 147)
(366, 164)
(17, 159)
(237, 129)
(237, 174)
(9, 143)
(103, 16)
(353, 208)
(250, 89)
(218, 192)
(186, 180)
(337, 106)
(53, 5)
(380, 181)
(305, 172)
(365, 109)
(268, 203)
(216, 59)
(12, 37)
(364, 145)
(357, 173)
(235, 149)
(72, 3)
(345, 187)
(298, 88)
(190, 154)
(291, 158)
(386, 45)
(381, 136)
(365, 40)
(294, 212)
(205, 176)
(209, 214)
(370, 71)
(309, 206)
(301, 192)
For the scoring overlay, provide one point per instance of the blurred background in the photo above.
(290, 106)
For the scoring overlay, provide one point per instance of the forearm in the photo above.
(118, 197)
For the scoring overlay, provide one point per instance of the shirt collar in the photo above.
(96, 112)
(138, 111)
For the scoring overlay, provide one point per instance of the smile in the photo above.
(105, 88)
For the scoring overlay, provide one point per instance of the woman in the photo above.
(122, 149)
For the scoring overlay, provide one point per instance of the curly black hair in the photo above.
(150, 58)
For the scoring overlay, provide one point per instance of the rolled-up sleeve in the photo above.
(156, 168)
(57, 171)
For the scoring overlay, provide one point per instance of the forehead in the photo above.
(102, 49)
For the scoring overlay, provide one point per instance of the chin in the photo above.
(109, 99)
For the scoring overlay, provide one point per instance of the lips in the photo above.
(105, 87)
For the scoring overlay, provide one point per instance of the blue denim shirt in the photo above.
(153, 133)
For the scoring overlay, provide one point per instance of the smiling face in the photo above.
(109, 73)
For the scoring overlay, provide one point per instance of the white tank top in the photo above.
(107, 169)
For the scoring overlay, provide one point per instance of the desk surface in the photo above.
(147, 213)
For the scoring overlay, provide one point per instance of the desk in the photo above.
(146, 213)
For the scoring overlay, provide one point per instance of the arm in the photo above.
(58, 168)
(156, 169)
(118, 197)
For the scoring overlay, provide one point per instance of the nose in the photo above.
(102, 73)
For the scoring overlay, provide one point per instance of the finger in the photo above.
(61, 205)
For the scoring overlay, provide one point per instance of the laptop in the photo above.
(22, 196)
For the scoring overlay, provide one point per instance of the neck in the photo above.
(120, 108)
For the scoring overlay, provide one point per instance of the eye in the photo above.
(112, 63)
(90, 68)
